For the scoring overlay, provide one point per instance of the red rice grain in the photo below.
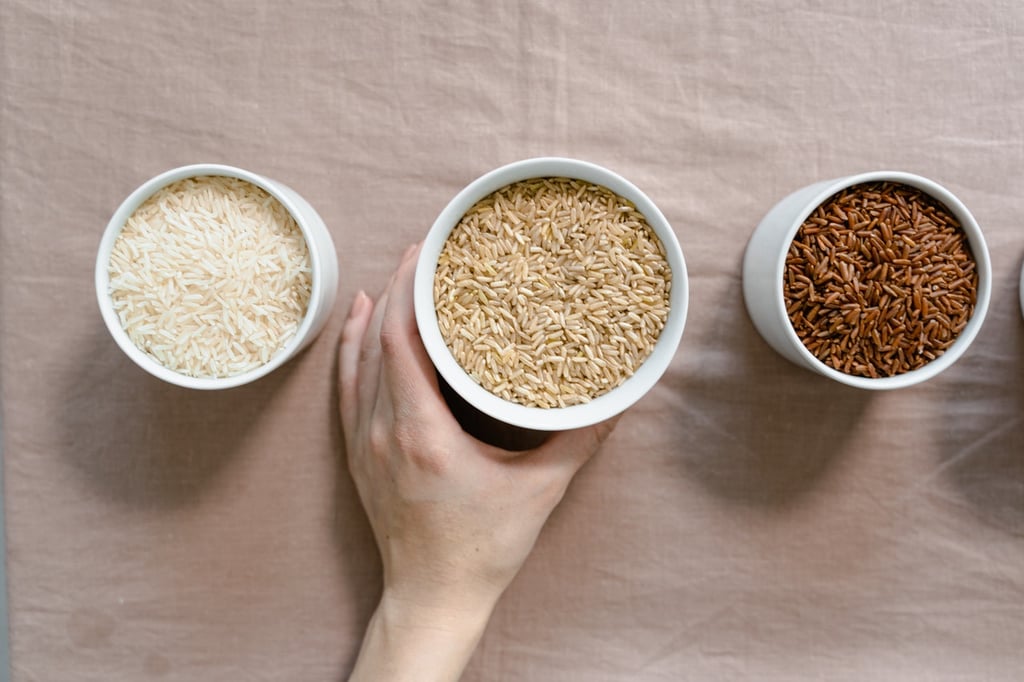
(879, 280)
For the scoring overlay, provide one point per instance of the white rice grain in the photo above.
(210, 276)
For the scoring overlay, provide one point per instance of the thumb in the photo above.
(570, 450)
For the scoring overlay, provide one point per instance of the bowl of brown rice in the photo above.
(210, 276)
(551, 294)
(879, 280)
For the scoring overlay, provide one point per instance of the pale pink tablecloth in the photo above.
(748, 519)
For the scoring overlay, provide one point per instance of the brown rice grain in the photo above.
(566, 273)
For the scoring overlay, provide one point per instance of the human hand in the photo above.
(454, 518)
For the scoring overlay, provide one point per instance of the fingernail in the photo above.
(358, 304)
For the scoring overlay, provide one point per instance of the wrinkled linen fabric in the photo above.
(747, 520)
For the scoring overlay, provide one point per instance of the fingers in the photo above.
(369, 358)
(568, 451)
(369, 354)
(352, 334)
(407, 369)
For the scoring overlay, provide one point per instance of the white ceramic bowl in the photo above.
(1022, 291)
(536, 418)
(765, 258)
(323, 259)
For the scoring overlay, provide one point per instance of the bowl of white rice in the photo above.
(210, 276)
(551, 294)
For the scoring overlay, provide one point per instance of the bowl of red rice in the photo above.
(210, 276)
(551, 294)
(879, 280)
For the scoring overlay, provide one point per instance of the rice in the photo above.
(880, 280)
(552, 291)
(210, 276)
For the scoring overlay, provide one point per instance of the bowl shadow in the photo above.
(143, 442)
(752, 427)
(980, 424)
(485, 428)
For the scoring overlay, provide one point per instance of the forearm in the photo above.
(408, 642)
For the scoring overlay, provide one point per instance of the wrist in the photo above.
(444, 593)
(452, 626)
(426, 642)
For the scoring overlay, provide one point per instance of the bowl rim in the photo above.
(554, 418)
(102, 276)
(979, 250)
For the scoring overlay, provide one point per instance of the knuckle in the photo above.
(366, 353)
(378, 438)
(425, 456)
(550, 491)
(390, 342)
(555, 492)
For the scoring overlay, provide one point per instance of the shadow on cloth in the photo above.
(143, 442)
(750, 426)
(980, 430)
